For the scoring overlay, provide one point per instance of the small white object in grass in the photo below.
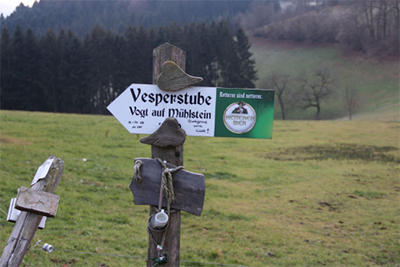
(84, 159)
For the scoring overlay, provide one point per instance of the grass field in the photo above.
(377, 80)
(320, 193)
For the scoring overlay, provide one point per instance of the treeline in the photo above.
(61, 72)
(369, 26)
(117, 15)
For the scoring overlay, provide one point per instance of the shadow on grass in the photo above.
(338, 151)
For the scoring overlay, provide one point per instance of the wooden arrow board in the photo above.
(189, 188)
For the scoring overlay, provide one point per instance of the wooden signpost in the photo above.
(155, 110)
(35, 202)
(167, 145)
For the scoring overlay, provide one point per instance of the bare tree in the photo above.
(281, 83)
(315, 87)
(376, 14)
(351, 100)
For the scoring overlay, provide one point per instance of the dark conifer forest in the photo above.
(78, 56)
(60, 71)
(118, 15)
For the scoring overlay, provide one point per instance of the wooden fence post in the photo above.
(28, 222)
(171, 154)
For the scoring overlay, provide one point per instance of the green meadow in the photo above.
(320, 193)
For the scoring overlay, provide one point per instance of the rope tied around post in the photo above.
(136, 171)
(167, 189)
(167, 184)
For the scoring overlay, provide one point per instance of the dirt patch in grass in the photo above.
(7, 141)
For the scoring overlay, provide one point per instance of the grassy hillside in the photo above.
(318, 193)
(377, 80)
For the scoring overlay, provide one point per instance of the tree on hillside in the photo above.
(234, 58)
(247, 72)
(281, 83)
(207, 55)
(314, 88)
(351, 101)
(227, 58)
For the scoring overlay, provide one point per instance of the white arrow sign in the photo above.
(201, 111)
(141, 108)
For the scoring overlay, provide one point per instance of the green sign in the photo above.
(244, 113)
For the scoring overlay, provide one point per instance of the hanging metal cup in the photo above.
(158, 221)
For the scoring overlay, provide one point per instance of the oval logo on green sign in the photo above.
(239, 117)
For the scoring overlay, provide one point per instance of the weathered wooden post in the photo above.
(182, 109)
(172, 152)
(36, 202)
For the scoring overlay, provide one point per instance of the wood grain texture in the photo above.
(167, 52)
(39, 202)
(27, 223)
(173, 78)
(189, 188)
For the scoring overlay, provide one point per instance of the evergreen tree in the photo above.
(139, 55)
(246, 64)
(17, 58)
(98, 46)
(72, 73)
(5, 66)
(50, 71)
(174, 34)
(119, 73)
(192, 46)
(227, 56)
(212, 50)
(205, 55)
(31, 98)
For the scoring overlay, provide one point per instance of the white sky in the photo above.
(8, 6)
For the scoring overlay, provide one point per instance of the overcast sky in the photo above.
(8, 6)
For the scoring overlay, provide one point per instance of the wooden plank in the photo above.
(27, 223)
(39, 202)
(13, 214)
(189, 188)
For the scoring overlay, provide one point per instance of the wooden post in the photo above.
(171, 154)
(28, 222)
